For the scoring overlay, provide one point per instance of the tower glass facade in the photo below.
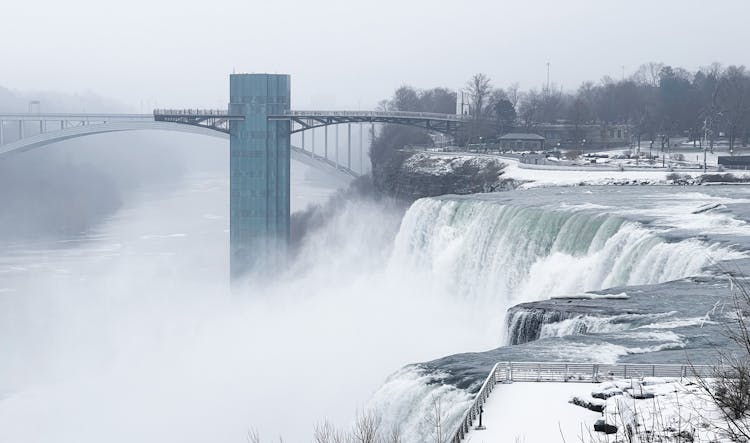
(259, 172)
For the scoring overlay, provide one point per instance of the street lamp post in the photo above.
(705, 144)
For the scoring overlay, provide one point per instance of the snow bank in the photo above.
(560, 176)
(592, 296)
(663, 406)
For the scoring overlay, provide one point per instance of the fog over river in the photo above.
(129, 332)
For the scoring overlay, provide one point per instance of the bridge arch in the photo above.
(47, 138)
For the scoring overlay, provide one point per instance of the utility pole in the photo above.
(705, 143)
(547, 90)
(650, 152)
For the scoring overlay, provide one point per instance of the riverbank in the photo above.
(411, 175)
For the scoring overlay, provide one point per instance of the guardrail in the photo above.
(484, 392)
(381, 114)
(191, 112)
(504, 372)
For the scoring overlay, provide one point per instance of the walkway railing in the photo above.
(569, 372)
(192, 112)
(380, 114)
(484, 392)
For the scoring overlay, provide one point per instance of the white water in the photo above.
(497, 255)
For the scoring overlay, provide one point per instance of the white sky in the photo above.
(349, 54)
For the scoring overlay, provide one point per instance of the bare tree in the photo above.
(367, 428)
(253, 436)
(328, 433)
(530, 106)
(648, 74)
(436, 419)
(513, 92)
(479, 88)
(734, 99)
(394, 436)
(729, 386)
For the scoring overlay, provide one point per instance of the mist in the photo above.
(131, 331)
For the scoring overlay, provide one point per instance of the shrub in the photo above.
(720, 178)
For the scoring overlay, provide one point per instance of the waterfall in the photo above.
(529, 324)
(499, 254)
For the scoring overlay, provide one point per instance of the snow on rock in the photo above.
(592, 404)
(445, 164)
(593, 296)
(421, 174)
(664, 408)
(606, 391)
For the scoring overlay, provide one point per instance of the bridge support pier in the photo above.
(349, 147)
(361, 149)
(2, 132)
(259, 173)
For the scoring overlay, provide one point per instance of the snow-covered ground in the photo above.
(682, 155)
(533, 412)
(535, 176)
(542, 412)
(574, 176)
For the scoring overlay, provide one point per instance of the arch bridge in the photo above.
(259, 125)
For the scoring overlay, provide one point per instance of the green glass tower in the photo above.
(259, 173)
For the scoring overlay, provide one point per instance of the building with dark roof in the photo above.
(518, 141)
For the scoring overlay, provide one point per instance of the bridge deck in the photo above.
(64, 116)
(372, 115)
(445, 123)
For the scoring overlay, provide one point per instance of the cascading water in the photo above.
(499, 255)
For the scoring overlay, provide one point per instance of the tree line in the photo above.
(657, 100)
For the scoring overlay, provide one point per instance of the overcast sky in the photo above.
(350, 54)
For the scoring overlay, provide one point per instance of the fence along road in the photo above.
(506, 372)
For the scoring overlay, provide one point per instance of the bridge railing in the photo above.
(569, 372)
(378, 114)
(192, 112)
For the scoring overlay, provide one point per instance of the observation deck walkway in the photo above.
(510, 372)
